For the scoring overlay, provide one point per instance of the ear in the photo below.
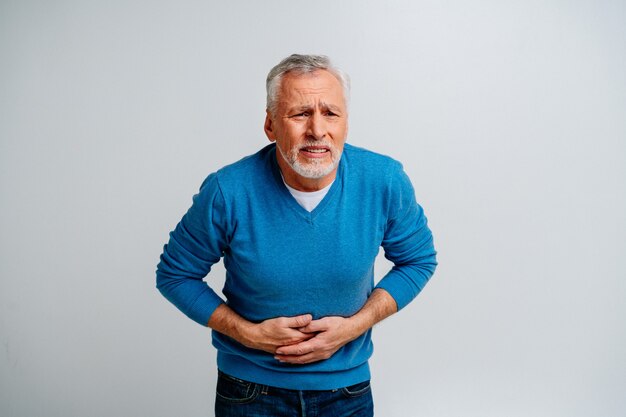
(268, 127)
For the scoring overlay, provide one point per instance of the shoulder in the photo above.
(238, 174)
(371, 164)
(377, 176)
(247, 165)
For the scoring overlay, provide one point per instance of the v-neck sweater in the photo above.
(282, 260)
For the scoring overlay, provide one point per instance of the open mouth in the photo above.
(315, 151)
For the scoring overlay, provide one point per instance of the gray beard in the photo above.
(315, 169)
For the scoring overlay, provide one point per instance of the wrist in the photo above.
(243, 332)
(357, 326)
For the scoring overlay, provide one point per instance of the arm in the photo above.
(196, 243)
(408, 243)
(331, 333)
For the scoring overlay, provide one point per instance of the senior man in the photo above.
(299, 225)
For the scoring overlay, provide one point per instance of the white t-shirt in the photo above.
(308, 200)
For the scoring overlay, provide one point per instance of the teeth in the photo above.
(316, 150)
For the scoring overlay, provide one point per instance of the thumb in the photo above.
(299, 321)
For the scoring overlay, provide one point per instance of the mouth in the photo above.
(315, 151)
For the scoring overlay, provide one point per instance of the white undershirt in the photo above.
(308, 200)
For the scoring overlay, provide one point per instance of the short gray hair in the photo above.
(302, 64)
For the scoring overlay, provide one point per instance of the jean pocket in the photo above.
(357, 390)
(235, 390)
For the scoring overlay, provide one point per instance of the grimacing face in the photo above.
(309, 127)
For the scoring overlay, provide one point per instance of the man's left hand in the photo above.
(332, 332)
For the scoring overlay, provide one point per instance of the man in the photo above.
(299, 225)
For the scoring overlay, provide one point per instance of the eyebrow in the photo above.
(307, 107)
(303, 107)
(331, 107)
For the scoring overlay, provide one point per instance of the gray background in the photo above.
(508, 116)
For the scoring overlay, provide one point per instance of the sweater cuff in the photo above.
(204, 306)
(403, 291)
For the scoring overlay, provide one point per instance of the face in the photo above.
(309, 126)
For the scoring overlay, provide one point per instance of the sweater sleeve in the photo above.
(408, 243)
(197, 242)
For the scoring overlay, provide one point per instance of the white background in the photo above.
(509, 116)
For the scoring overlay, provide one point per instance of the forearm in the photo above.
(378, 307)
(226, 321)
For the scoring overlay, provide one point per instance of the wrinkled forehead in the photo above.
(319, 85)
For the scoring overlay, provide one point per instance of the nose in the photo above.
(316, 128)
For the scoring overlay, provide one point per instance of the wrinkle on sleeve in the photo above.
(198, 241)
(408, 243)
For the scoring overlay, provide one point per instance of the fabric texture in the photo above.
(238, 398)
(282, 260)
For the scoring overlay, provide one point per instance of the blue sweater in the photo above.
(282, 260)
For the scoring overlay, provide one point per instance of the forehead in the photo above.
(316, 85)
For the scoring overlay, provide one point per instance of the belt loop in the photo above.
(264, 390)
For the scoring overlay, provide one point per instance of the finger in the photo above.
(315, 326)
(298, 349)
(300, 360)
(298, 321)
(294, 336)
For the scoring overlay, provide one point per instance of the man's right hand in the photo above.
(271, 334)
(268, 335)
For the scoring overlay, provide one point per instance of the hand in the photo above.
(278, 332)
(299, 339)
(327, 336)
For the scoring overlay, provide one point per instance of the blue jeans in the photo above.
(238, 398)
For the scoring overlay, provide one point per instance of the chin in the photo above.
(313, 171)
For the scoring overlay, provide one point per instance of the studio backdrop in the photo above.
(508, 116)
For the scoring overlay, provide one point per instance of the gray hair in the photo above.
(302, 64)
